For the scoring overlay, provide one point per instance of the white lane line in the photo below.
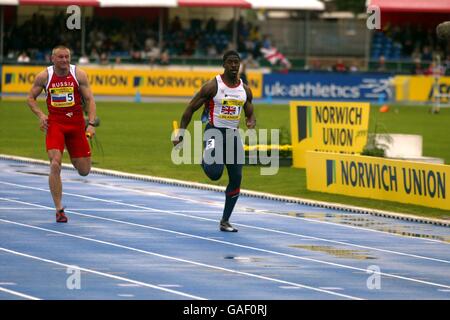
(331, 288)
(83, 209)
(254, 227)
(346, 244)
(148, 285)
(112, 210)
(246, 247)
(160, 194)
(131, 285)
(175, 259)
(6, 208)
(213, 204)
(170, 285)
(19, 294)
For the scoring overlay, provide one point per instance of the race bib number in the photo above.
(231, 109)
(62, 97)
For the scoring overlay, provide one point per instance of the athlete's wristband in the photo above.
(91, 124)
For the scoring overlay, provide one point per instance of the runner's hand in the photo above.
(177, 141)
(251, 123)
(90, 131)
(43, 123)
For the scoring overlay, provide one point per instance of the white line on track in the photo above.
(252, 227)
(110, 210)
(247, 226)
(175, 259)
(86, 209)
(243, 246)
(16, 208)
(204, 203)
(161, 194)
(148, 285)
(214, 203)
(19, 294)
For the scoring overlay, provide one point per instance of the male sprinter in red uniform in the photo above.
(65, 86)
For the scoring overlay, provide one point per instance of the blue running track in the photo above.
(134, 239)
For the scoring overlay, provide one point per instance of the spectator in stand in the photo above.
(426, 54)
(189, 47)
(211, 51)
(381, 64)
(175, 25)
(94, 56)
(241, 47)
(314, 65)
(255, 35)
(149, 44)
(257, 50)
(211, 26)
(154, 55)
(242, 27)
(339, 66)
(23, 58)
(434, 69)
(407, 40)
(165, 58)
(136, 55)
(266, 42)
(250, 62)
(417, 68)
(416, 54)
(354, 67)
(104, 59)
(84, 59)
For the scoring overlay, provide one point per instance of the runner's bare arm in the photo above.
(88, 97)
(248, 109)
(38, 85)
(207, 92)
(87, 94)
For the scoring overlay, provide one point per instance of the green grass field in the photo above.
(136, 139)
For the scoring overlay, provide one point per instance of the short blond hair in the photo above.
(60, 47)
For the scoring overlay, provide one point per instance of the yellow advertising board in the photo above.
(420, 88)
(410, 182)
(183, 83)
(18, 79)
(328, 126)
(110, 82)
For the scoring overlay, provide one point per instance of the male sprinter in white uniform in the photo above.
(224, 97)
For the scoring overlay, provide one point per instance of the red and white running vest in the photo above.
(63, 95)
(226, 106)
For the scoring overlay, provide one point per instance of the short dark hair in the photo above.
(230, 53)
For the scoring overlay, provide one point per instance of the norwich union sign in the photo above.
(379, 178)
(327, 126)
